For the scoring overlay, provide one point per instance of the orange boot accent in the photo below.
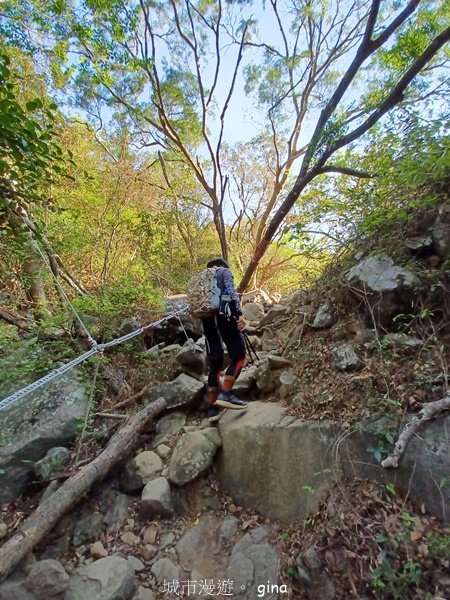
(212, 393)
(228, 382)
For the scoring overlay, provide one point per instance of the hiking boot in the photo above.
(229, 400)
(214, 413)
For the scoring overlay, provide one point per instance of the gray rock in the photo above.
(183, 391)
(137, 564)
(3, 530)
(345, 358)
(258, 535)
(380, 274)
(298, 466)
(201, 547)
(278, 362)
(279, 311)
(213, 435)
(54, 460)
(47, 579)
(365, 336)
(192, 455)
(143, 593)
(387, 287)
(255, 341)
(423, 469)
(404, 342)
(191, 361)
(253, 566)
(98, 550)
(165, 570)
(171, 424)
(298, 399)
(117, 512)
(229, 528)
(149, 551)
(163, 451)
(269, 341)
(167, 540)
(241, 572)
(313, 574)
(300, 463)
(325, 317)
(144, 467)
(253, 311)
(88, 528)
(297, 299)
(15, 590)
(440, 233)
(47, 418)
(245, 383)
(129, 325)
(419, 242)
(109, 578)
(267, 380)
(288, 380)
(157, 498)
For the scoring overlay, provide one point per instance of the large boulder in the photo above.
(423, 469)
(183, 391)
(386, 286)
(109, 578)
(283, 467)
(46, 418)
(281, 471)
(191, 360)
(192, 455)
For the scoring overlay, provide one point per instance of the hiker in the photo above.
(227, 325)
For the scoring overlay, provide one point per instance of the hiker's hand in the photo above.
(241, 323)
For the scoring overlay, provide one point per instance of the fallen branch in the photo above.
(429, 411)
(45, 517)
(105, 415)
(14, 319)
(131, 398)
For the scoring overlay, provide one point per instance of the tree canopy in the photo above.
(147, 98)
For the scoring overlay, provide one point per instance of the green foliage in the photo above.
(122, 298)
(30, 155)
(398, 576)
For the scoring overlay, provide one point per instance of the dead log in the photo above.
(429, 411)
(14, 319)
(45, 517)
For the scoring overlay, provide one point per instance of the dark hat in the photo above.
(218, 262)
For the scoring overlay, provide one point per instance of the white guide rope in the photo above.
(97, 349)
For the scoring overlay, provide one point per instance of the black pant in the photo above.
(220, 328)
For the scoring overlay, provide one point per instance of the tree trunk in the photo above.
(45, 517)
(35, 285)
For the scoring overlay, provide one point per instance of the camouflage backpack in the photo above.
(204, 293)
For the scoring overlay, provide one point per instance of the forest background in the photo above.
(139, 139)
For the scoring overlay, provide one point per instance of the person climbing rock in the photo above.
(225, 326)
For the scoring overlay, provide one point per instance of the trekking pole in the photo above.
(250, 348)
